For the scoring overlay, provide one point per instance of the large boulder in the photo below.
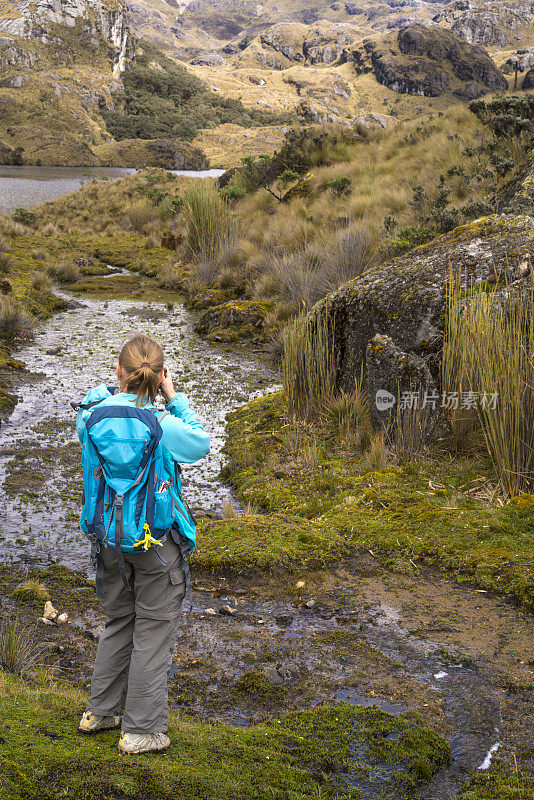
(429, 61)
(405, 299)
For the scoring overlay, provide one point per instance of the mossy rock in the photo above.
(406, 298)
(208, 297)
(237, 319)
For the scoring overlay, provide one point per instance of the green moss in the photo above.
(299, 756)
(254, 688)
(323, 508)
(503, 781)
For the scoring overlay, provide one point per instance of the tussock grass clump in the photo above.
(349, 253)
(140, 214)
(18, 653)
(65, 272)
(15, 322)
(6, 263)
(308, 366)
(409, 431)
(210, 226)
(489, 352)
(31, 591)
(296, 278)
(347, 420)
(40, 282)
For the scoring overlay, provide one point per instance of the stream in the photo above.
(39, 451)
(353, 635)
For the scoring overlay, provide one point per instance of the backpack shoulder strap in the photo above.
(85, 406)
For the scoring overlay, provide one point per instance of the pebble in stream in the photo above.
(40, 473)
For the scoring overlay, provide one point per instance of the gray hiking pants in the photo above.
(134, 652)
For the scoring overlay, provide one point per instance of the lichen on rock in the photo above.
(406, 297)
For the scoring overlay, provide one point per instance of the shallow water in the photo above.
(22, 187)
(74, 351)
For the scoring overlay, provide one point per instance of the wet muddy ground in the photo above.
(254, 647)
(39, 452)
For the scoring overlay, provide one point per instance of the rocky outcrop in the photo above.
(522, 60)
(528, 81)
(96, 18)
(495, 24)
(286, 44)
(405, 299)
(210, 59)
(429, 61)
(517, 197)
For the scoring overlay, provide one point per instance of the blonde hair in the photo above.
(141, 360)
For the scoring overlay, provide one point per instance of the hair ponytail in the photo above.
(141, 360)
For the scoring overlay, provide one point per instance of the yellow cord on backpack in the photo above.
(147, 541)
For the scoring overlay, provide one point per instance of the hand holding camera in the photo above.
(166, 386)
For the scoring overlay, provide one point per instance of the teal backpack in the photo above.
(128, 503)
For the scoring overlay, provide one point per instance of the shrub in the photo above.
(308, 366)
(233, 192)
(170, 102)
(489, 350)
(18, 653)
(340, 185)
(24, 216)
(408, 237)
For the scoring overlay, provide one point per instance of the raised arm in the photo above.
(183, 435)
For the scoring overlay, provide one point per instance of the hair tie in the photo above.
(145, 364)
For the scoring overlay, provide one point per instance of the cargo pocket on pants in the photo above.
(176, 589)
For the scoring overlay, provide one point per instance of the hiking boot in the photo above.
(132, 743)
(91, 723)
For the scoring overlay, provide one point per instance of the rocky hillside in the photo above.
(77, 88)
(61, 63)
(199, 26)
(240, 47)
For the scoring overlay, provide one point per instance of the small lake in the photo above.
(23, 187)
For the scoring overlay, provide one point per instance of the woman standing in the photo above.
(140, 591)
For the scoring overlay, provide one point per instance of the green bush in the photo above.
(340, 185)
(410, 236)
(24, 216)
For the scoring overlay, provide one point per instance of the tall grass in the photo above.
(308, 366)
(14, 321)
(18, 653)
(348, 254)
(409, 430)
(347, 420)
(489, 350)
(210, 225)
